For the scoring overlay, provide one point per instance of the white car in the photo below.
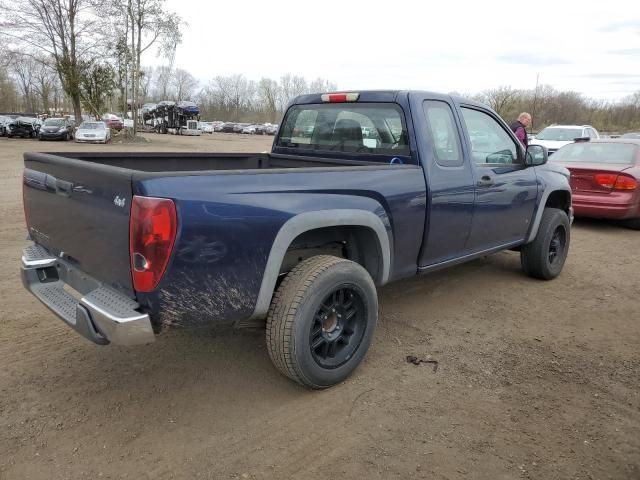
(93, 132)
(557, 136)
(250, 129)
(205, 127)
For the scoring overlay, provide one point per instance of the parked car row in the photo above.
(25, 127)
(210, 127)
(89, 131)
(247, 128)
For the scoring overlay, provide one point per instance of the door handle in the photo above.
(63, 188)
(485, 181)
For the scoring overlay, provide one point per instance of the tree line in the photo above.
(92, 47)
(548, 105)
(86, 55)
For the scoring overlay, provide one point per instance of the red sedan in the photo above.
(605, 178)
(114, 123)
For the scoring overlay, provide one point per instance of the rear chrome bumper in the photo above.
(101, 314)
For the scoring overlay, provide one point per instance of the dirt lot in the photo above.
(535, 380)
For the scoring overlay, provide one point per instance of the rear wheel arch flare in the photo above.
(353, 242)
(359, 221)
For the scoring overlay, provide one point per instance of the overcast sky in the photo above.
(589, 46)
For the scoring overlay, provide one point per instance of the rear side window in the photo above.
(444, 135)
(377, 128)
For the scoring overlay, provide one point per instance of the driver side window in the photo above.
(490, 143)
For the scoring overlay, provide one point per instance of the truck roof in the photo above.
(384, 96)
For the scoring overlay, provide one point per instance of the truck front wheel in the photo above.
(545, 256)
(321, 321)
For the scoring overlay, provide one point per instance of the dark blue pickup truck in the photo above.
(360, 189)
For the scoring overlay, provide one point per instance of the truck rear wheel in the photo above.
(545, 256)
(321, 321)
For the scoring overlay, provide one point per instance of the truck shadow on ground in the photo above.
(209, 366)
(220, 362)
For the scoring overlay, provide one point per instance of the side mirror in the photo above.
(501, 157)
(536, 155)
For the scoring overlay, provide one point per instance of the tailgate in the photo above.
(79, 210)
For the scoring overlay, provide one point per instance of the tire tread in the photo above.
(533, 255)
(282, 313)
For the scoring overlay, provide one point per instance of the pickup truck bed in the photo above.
(78, 209)
(168, 163)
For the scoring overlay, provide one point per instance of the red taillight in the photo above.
(339, 97)
(607, 180)
(615, 181)
(152, 233)
(624, 182)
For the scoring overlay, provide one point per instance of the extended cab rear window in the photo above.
(377, 128)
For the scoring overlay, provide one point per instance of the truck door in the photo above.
(449, 179)
(506, 190)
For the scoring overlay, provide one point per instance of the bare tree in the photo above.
(146, 78)
(162, 82)
(299, 86)
(500, 99)
(8, 93)
(285, 91)
(184, 84)
(268, 93)
(45, 81)
(320, 85)
(235, 89)
(121, 59)
(149, 25)
(290, 87)
(234, 97)
(23, 68)
(633, 99)
(57, 27)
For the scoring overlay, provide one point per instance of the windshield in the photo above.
(54, 122)
(619, 153)
(560, 134)
(346, 127)
(92, 126)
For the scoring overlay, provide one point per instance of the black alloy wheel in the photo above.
(338, 328)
